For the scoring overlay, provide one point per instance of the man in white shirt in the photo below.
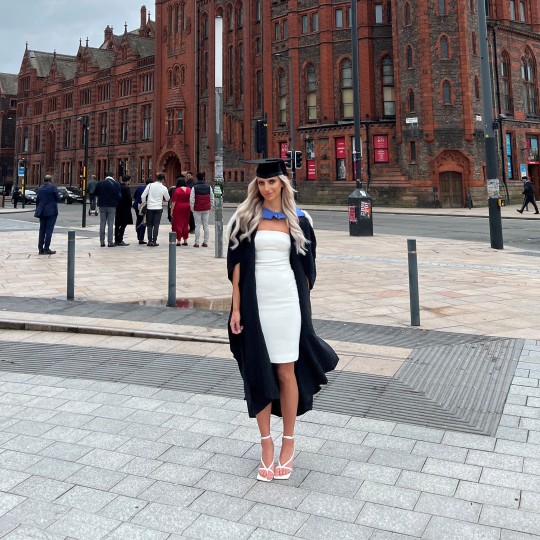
(154, 195)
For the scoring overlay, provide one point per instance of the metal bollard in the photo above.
(71, 266)
(171, 299)
(413, 282)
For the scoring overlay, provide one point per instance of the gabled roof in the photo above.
(42, 61)
(144, 46)
(103, 58)
(8, 84)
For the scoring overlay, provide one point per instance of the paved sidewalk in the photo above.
(123, 419)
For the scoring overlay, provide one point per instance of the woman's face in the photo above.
(270, 188)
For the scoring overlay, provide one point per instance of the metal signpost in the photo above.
(218, 163)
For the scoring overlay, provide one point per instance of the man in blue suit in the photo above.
(47, 212)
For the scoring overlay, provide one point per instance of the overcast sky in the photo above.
(50, 25)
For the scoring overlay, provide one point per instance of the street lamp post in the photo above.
(360, 204)
(86, 131)
(291, 119)
(494, 197)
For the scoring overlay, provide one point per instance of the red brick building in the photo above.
(8, 110)
(421, 107)
(112, 85)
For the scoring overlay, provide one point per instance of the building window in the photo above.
(305, 22)
(124, 88)
(67, 133)
(409, 54)
(388, 92)
(26, 138)
(68, 100)
(407, 14)
(258, 11)
(412, 151)
(447, 93)
(378, 14)
(183, 75)
(522, 16)
(240, 16)
(509, 156)
(314, 22)
(179, 121)
(282, 91)
(124, 134)
(103, 128)
(506, 84)
(347, 105)
(146, 122)
(85, 96)
(339, 18)
(442, 7)
(277, 32)
(53, 104)
(285, 29)
(528, 77)
(170, 122)
(411, 101)
(241, 69)
(231, 72)
(259, 91)
(474, 44)
(512, 10)
(37, 139)
(443, 48)
(258, 45)
(229, 19)
(104, 92)
(38, 108)
(176, 76)
(532, 148)
(476, 87)
(311, 93)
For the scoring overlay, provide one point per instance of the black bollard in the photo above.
(171, 299)
(413, 282)
(71, 266)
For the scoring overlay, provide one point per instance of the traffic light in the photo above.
(261, 139)
(289, 161)
(298, 160)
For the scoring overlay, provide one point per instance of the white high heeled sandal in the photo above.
(286, 466)
(264, 467)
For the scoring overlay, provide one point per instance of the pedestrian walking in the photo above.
(16, 196)
(91, 190)
(47, 200)
(271, 264)
(190, 183)
(154, 195)
(528, 196)
(140, 221)
(180, 211)
(108, 195)
(201, 201)
(124, 216)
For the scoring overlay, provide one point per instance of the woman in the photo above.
(180, 211)
(271, 264)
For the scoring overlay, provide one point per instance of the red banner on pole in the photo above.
(311, 169)
(341, 151)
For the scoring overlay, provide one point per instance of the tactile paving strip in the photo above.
(460, 388)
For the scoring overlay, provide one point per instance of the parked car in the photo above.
(30, 197)
(70, 194)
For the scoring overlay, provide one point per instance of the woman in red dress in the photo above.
(180, 211)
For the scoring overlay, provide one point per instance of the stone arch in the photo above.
(171, 165)
(451, 177)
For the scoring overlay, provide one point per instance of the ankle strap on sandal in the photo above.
(267, 437)
(288, 436)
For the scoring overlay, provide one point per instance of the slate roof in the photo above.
(8, 84)
(42, 61)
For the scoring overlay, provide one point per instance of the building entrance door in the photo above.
(534, 175)
(451, 190)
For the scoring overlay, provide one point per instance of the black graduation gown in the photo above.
(124, 215)
(316, 357)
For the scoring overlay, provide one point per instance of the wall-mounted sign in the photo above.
(283, 147)
(341, 151)
(380, 148)
(311, 169)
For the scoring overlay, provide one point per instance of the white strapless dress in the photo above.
(277, 296)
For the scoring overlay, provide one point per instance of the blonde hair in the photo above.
(248, 215)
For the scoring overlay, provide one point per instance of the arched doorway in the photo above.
(452, 178)
(171, 166)
(451, 189)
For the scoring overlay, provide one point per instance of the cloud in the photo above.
(57, 25)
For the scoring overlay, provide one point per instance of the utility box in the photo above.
(360, 213)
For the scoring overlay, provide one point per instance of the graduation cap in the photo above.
(269, 167)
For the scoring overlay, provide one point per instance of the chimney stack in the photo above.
(143, 16)
(108, 34)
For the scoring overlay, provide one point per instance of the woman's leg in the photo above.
(267, 457)
(288, 393)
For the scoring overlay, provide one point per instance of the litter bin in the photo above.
(360, 213)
